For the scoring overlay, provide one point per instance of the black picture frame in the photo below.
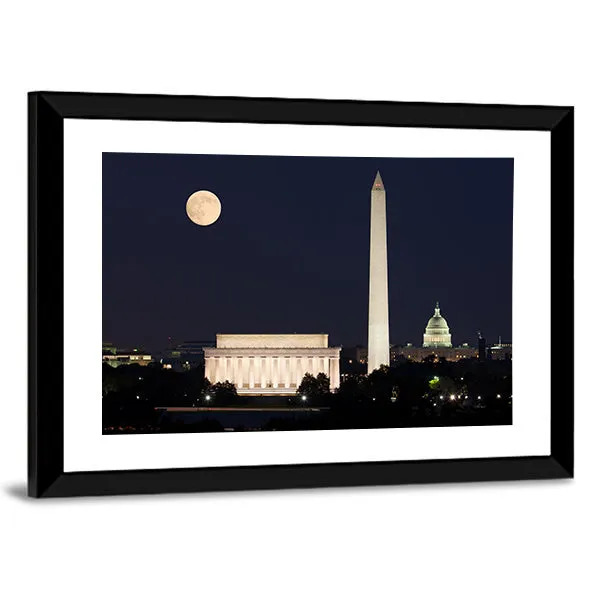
(47, 112)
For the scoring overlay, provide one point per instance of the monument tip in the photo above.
(378, 183)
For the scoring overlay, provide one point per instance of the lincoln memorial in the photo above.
(263, 364)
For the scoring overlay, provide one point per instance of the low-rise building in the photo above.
(271, 364)
(115, 357)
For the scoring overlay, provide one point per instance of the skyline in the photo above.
(290, 250)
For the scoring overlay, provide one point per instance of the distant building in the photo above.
(500, 351)
(400, 354)
(353, 360)
(116, 357)
(264, 364)
(362, 355)
(185, 356)
(417, 354)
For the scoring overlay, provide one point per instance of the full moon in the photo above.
(203, 208)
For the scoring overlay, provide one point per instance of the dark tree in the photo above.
(224, 393)
(379, 384)
(313, 387)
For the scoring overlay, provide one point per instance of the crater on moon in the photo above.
(203, 208)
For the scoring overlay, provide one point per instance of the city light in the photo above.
(498, 396)
(452, 397)
(304, 398)
(207, 397)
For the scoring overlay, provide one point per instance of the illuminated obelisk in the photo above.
(379, 326)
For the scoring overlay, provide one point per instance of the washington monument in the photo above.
(379, 326)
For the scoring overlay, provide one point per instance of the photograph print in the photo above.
(281, 293)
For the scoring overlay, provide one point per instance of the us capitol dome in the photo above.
(437, 333)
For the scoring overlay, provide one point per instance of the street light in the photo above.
(207, 397)
(304, 398)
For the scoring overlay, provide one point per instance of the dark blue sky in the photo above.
(290, 252)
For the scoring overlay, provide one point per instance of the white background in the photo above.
(87, 449)
(518, 540)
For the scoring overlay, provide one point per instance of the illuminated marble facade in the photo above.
(263, 364)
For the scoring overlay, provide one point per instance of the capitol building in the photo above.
(437, 333)
(437, 341)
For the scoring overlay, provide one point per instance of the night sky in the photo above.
(290, 251)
